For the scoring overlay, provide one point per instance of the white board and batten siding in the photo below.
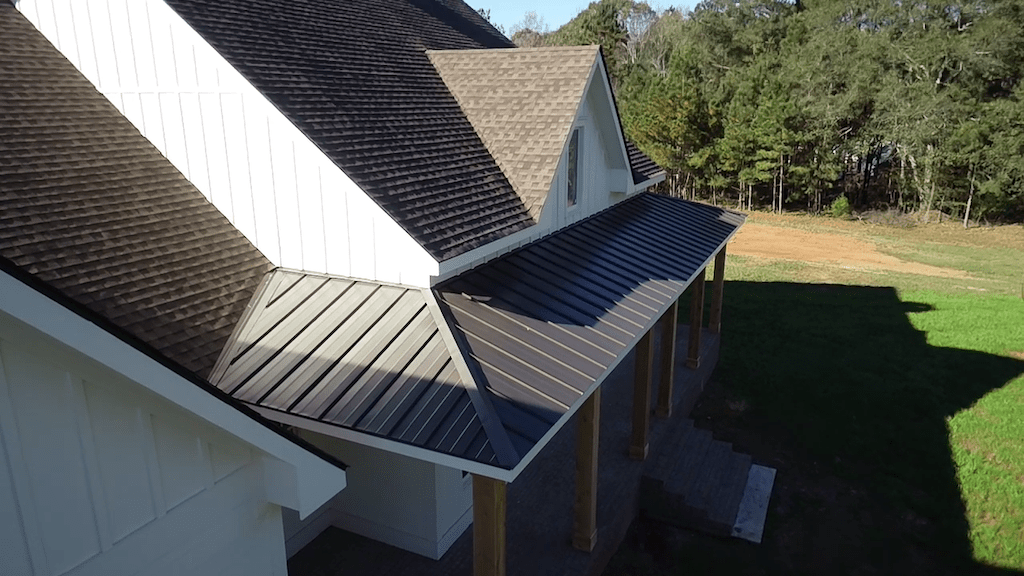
(265, 176)
(99, 477)
(411, 504)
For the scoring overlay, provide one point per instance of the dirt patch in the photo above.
(1018, 355)
(788, 244)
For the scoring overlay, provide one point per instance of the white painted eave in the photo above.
(296, 477)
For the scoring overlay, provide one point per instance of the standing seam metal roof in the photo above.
(484, 366)
(360, 355)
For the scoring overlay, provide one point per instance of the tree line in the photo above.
(915, 106)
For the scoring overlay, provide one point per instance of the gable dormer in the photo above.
(548, 117)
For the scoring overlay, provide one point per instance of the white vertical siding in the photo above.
(99, 477)
(274, 185)
(390, 498)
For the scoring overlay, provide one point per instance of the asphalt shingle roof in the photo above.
(354, 77)
(91, 208)
(522, 103)
(642, 166)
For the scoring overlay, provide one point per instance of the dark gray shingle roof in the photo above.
(354, 77)
(91, 208)
(642, 166)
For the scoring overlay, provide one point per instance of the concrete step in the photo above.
(697, 482)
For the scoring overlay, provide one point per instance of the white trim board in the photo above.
(313, 479)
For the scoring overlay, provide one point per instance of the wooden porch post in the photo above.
(696, 319)
(584, 522)
(668, 361)
(642, 397)
(489, 503)
(715, 321)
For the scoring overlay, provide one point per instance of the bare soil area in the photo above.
(766, 241)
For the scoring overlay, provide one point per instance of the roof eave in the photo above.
(311, 477)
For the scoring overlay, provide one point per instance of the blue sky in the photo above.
(554, 12)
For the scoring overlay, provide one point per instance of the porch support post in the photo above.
(642, 396)
(696, 319)
(584, 523)
(668, 361)
(715, 321)
(489, 503)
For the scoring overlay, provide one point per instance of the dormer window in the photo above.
(573, 168)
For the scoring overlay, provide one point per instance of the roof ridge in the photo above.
(519, 49)
(497, 435)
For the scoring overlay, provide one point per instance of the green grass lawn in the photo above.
(894, 403)
(894, 378)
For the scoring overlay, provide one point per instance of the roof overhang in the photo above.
(481, 372)
(544, 326)
(296, 477)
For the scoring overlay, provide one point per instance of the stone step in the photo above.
(697, 482)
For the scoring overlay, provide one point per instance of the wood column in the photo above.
(668, 361)
(584, 522)
(489, 504)
(715, 321)
(696, 319)
(642, 396)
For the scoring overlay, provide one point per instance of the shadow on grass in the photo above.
(847, 399)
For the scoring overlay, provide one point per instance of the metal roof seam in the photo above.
(586, 293)
(315, 384)
(274, 326)
(519, 381)
(553, 377)
(562, 270)
(544, 336)
(419, 333)
(319, 343)
(496, 434)
(290, 319)
(325, 410)
(566, 312)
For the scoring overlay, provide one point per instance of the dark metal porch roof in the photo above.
(488, 365)
(544, 325)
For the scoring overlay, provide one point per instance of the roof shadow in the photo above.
(840, 375)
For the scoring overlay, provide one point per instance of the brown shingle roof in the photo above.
(90, 208)
(522, 103)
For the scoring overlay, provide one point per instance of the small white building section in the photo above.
(415, 505)
(101, 474)
(255, 166)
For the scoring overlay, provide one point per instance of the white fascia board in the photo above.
(387, 445)
(641, 186)
(607, 90)
(313, 480)
(482, 254)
